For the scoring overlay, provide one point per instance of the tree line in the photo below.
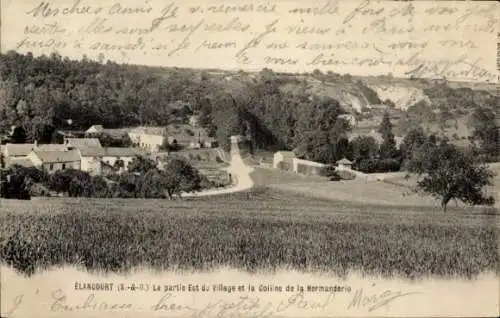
(143, 179)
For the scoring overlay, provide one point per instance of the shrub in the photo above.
(286, 166)
(378, 165)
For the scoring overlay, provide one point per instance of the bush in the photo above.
(346, 175)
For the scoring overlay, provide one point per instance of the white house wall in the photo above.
(91, 165)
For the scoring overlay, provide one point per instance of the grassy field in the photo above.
(263, 230)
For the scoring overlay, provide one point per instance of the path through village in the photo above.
(240, 173)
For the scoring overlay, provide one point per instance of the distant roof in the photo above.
(344, 161)
(91, 151)
(83, 142)
(19, 149)
(122, 152)
(58, 156)
(96, 127)
(159, 131)
(109, 152)
(52, 147)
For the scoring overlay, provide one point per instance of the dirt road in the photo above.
(239, 171)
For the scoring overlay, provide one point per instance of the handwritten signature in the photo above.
(371, 302)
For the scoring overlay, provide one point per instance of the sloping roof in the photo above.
(91, 151)
(83, 142)
(23, 162)
(96, 128)
(158, 131)
(52, 147)
(19, 149)
(58, 156)
(344, 161)
(121, 152)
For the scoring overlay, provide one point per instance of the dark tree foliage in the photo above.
(388, 147)
(486, 132)
(15, 184)
(141, 165)
(179, 176)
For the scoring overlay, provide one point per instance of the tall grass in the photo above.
(255, 231)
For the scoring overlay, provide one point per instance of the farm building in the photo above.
(283, 160)
(55, 160)
(344, 164)
(309, 168)
(150, 138)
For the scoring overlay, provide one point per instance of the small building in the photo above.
(194, 121)
(82, 142)
(283, 160)
(52, 161)
(95, 129)
(91, 158)
(344, 164)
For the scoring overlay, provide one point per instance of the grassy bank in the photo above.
(261, 230)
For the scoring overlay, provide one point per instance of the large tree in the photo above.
(180, 176)
(448, 173)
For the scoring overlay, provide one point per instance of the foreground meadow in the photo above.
(262, 230)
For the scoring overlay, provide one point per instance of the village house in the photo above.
(283, 160)
(91, 158)
(149, 138)
(52, 161)
(18, 153)
(113, 154)
(344, 164)
(94, 158)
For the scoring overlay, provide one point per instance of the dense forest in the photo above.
(46, 93)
